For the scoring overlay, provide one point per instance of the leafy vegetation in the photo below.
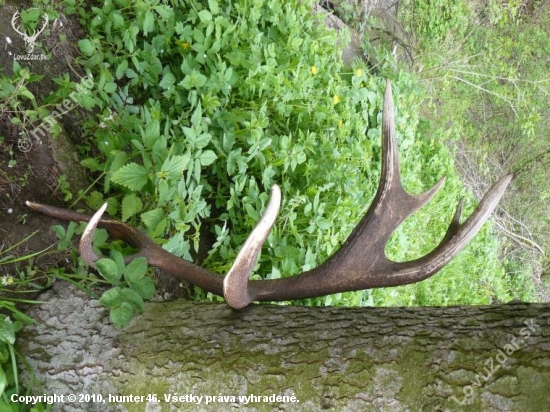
(132, 286)
(489, 94)
(205, 106)
(11, 321)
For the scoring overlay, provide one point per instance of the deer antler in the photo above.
(359, 264)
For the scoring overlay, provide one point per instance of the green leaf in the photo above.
(122, 315)
(95, 200)
(145, 287)
(152, 218)
(132, 176)
(110, 87)
(208, 157)
(117, 19)
(168, 80)
(4, 352)
(109, 270)
(196, 118)
(136, 269)
(7, 333)
(193, 80)
(152, 133)
(121, 69)
(165, 12)
(205, 16)
(111, 298)
(118, 258)
(131, 204)
(213, 6)
(133, 298)
(92, 164)
(148, 23)
(174, 166)
(88, 102)
(86, 47)
(119, 159)
(3, 381)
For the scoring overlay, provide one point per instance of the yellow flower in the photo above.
(313, 70)
(336, 99)
(358, 72)
(185, 45)
(340, 123)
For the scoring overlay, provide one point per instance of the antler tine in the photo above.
(235, 284)
(458, 235)
(392, 204)
(85, 245)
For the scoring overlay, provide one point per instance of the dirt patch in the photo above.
(32, 171)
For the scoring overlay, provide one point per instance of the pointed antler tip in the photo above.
(85, 245)
(235, 283)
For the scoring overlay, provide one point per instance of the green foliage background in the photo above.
(206, 105)
(487, 87)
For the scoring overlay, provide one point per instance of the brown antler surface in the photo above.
(359, 264)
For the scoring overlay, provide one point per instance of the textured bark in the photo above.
(359, 359)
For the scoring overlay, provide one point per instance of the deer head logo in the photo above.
(30, 40)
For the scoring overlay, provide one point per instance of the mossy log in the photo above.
(355, 359)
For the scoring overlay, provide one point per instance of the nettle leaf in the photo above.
(168, 80)
(131, 204)
(136, 269)
(109, 270)
(132, 176)
(95, 200)
(152, 218)
(174, 166)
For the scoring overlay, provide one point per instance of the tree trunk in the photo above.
(455, 358)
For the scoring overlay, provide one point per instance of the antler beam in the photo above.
(359, 264)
